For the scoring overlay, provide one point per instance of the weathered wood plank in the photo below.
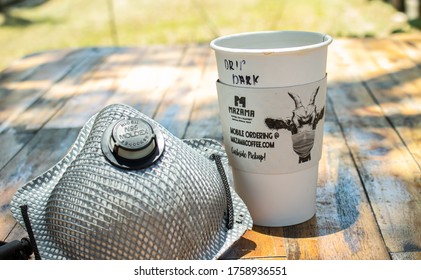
(11, 142)
(22, 68)
(352, 101)
(370, 147)
(32, 71)
(411, 45)
(22, 94)
(146, 83)
(16, 233)
(204, 119)
(38, 107)
(61, 91)
(392, 180)
(406, 256)
(387, 169)
(95, 89)
(398, 90)
(177, 103)
(45, 149)
(258, 243)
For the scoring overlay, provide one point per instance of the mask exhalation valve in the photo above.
(132, 143)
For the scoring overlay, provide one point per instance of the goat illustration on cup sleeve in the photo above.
(302, 125)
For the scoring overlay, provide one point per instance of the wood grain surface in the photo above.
(369, 186)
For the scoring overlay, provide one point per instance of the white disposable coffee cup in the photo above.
(272, 95)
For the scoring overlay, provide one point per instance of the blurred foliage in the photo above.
(77, 23)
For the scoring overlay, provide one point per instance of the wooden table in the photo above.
(369, 188)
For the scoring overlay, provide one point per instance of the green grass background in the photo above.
(57, 24)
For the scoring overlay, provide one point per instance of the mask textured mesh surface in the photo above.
(86, 208)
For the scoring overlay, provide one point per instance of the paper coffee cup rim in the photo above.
(222, 43)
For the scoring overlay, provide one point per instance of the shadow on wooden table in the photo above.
(369, 175)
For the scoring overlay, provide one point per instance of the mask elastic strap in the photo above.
(230, 208)
(25, 216)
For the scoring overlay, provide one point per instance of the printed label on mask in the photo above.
(273, 130)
